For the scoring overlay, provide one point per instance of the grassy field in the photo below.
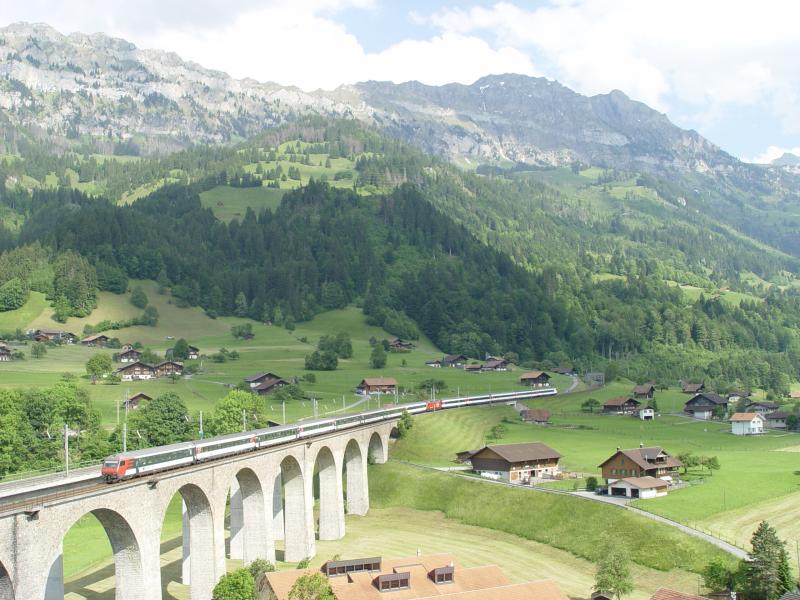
(230, 203)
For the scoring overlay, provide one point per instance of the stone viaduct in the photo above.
(271, 498)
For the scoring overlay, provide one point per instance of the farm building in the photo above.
(516, 463)
(99, 339)
(703, 405)
(495, 363)
(693, 388)
(776, 420)
(640, 462)
(454, 360)
(638, 487)
(134, 401)
(54, 335)
(413, 578)
(644, 392)
(646, 414)
(377, 385)
(565, 370)
(129, 356)
(473, 368)
(762, 407)
(750, 423)
(269, 385)
(255, 380)
(540, 416)
(621, 405)
(400, 344)
(168, 367)
(136, 371)
(736, 395)
(668, 594)
(436, 364)
(5, 353)
(194, 353)
(535, 379)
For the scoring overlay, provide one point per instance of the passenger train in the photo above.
(152, 460)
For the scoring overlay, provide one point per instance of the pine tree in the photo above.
(768, 572)
(241, 305)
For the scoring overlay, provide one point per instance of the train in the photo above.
(138, 463)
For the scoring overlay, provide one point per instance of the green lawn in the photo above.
(230, 203)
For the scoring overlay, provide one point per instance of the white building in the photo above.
(647, 414)
(747, 424)
(638, 487)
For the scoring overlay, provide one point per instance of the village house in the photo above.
(565, 370)
(638, 487)
(762, 407)
(776, 420)
(647, 413)
(736, 395)
(400, 344)
(134, 401)
(454, 360)
(473, 368)
(640, 462)
(269, 385)
(515, 463)
(255, 380)
(54, 335)
(703, 405)
(194, 353)
(169, 367)
(5, 353)
(749, 423)
(540, 416)
(495, 363)
(136, 371)
(377, 385)
(413, 578)
(693, 388)
(436, 364)
(99, 339)
(535, 379)
(130, 355)
(621, 405)
(645, 391)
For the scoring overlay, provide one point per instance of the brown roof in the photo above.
(620, 401)
(475, 367)
(493, 363)
(454, 357)
(514, 453)
(691, 388)
(642, 456)
(379, 381)
(644, 389)
(270, 383)
(96, 336)
(133, 365)
(139, 396)
(532, 375)
(768, 405)
(667, 594)
(536, 414)
(258, 376)
(778, 414)
(744, 416)
(645, 483)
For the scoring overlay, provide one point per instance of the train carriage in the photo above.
(224, 445)
(150, 460)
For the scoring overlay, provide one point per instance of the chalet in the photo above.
(194, 353)
(5, 353)
(762, 408)
(736, 395)
(54, 335)
(400, 344)
(535, 379)
(169, 367)
(621, 405)
(776, 420)
(473, 368)
(129, 356)
(749, 423)
(638, 487)
(495, 364)
(693, 388)
(644, 392)
(646, 414)
(99, 339)
(454, 360)
(640, 462)
(269, 385)
(703, 405)
(136, 371)
(377, 385)
(565, 370)
(540, 416)
(516, 463)
(436, 364)
(255, 380)
(134, 401)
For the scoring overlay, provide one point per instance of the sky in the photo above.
(727, 68)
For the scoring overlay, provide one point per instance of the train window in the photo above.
(111, 464)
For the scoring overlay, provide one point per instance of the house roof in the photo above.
(96, 336)
(454, 357)
(745, 417)
(257, 376)
(643, 456)
(644, 388)
(270, 383)
(711, 397)
(537, 414)
(378, 381)
(620, 401)
(50, 331)
(493, 363)
(129, 350)
(533, 375)
(778, 414)
(515, 453)
(169, 362)
(194, 349)
(644, 483)
(768, 405)
(693, 387)
(667, 594)
(475, 367)
(433, 362)
(139, 396)
(133, 365)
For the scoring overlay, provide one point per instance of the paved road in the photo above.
(573, 385)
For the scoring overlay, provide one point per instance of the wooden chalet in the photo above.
(99, 339)
(454, 360)
(762, 407)
(400, 344)
(495, 364)
(565, 370)
(473, 368)
(693, 388)
(776, 420)
(194, 353)
(646, 391)
(377, 385)
(736, 395)
(54, 335)
(5, 353)
(129, 356)
(436, 364)
(516, 463)
(256, 380)
(703, 405)
(640, 462)
(169, 367)
(535, 379)
(540, 416)
(621, 405)
(136, 371)
(269, 385)
(134, 401)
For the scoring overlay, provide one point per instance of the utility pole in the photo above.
(284, 412)
(244, 419)
(125, 437)
(66, 447)
(201, 425)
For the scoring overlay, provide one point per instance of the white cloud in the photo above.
(771, 154)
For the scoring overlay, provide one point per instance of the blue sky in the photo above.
(727, 68)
